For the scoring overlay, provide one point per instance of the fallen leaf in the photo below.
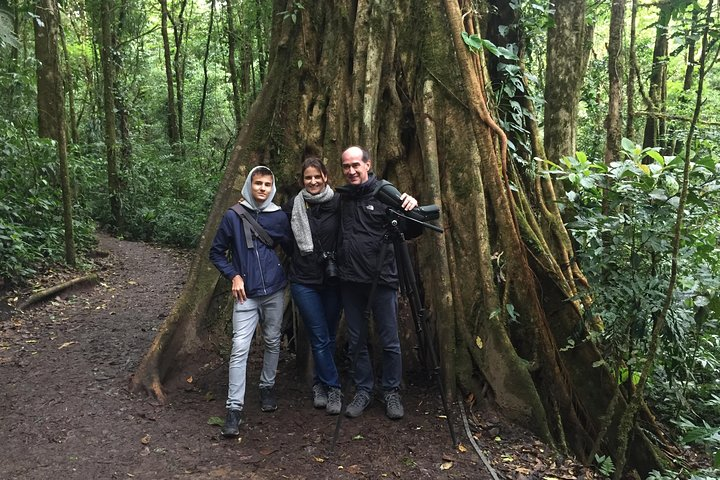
(31, 341)
(319, 459)
(146, 439)
(479, 342)
(446, 465)
(461, 448)
(132, 282)
(216, 421)
(66, 344)
(358, 437)
(189, 379)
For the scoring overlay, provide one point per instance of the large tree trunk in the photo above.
(51, 106)
(505, 299)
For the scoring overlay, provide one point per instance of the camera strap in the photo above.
(251, 227)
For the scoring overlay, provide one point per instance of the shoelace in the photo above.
(393, 401)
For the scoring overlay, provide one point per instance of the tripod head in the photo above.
(390, 196)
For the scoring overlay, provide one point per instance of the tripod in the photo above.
(408, 286)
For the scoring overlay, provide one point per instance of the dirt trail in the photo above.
(66, 412)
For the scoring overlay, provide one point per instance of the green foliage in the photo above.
(605, 464)
(31, 224)
(623, 218)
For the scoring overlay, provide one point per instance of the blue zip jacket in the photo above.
(260, 266)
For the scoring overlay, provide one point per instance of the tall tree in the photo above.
(201, 114)
(232, 67)
(107, 15)
(504, 296)
(657, 92)
(51, 108)
(180, 27)
(568, 47)
(613, 120)
(173, 130)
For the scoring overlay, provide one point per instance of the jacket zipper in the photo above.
(257, 254)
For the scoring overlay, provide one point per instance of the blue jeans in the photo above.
(384, 311)
(320, 307)
(268, 310)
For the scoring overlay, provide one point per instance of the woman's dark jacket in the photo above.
(324, 221)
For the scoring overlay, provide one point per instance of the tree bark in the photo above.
(654, 134)
(107, 8)
(201, 114)
(51, 107)
(173, 132)
(504, 299)
(613, 121)
(568, 47)
(630, 117)
(231, 39)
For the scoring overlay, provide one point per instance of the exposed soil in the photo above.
(67, 413)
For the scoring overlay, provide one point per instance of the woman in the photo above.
(313, 215)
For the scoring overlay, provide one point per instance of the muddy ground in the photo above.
(66, 412)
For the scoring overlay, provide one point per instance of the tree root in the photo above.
(46, 293)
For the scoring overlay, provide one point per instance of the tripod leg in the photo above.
(427, 348)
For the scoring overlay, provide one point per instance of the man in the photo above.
(249, 231)
(362, 226)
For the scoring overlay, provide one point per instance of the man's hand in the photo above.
(238, 289)
(409, 202)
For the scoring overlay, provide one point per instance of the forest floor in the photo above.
(67, 412)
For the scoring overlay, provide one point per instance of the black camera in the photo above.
(331, 269)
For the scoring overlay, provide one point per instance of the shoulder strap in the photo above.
(251, 226)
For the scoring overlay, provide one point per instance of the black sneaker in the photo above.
(267, 399)
(393, 405)
(232, 424)
(334, 401)
(319, 395)
(358, 404)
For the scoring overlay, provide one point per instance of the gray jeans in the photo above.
(268, 310)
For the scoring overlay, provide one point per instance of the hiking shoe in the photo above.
(358, 404)
(267, 399)
(393, 405)
(232, 424)
(334, 401)
(319, 395)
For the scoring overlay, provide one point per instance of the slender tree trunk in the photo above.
(178, 63)
(107, 9)
(69, 88)
(232, 37)
(173, 132)
(201, 114)
(613, 121)
(629, 121)
(655, 125)
(51, 109)
(123, 115)
(690, 58)
(568, 42)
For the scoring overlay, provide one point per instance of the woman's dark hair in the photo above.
(313, 162)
